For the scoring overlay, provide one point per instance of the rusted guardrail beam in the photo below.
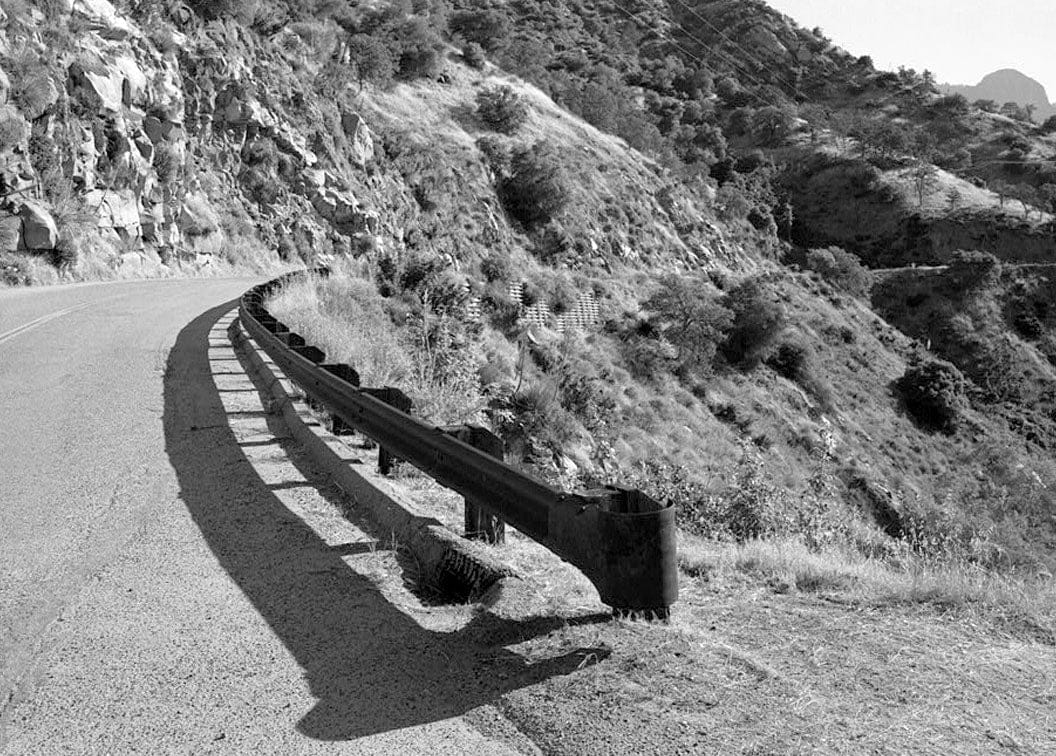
(621, 539)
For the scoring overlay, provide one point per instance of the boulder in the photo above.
(162, 131)
(117, 210)
(85, 156)
(133, 80)
(361, 150)
(102, 17)
(105, 92)
(38, 227)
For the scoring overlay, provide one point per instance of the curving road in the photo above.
(174, 579)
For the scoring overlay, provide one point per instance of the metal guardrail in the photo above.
(621, 539)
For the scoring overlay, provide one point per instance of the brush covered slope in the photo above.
(642, 330)
(577, 222)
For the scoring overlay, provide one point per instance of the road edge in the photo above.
(447, 561)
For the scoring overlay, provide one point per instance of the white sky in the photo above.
(960, 41)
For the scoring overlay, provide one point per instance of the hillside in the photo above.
(683, 246)
(634, 251)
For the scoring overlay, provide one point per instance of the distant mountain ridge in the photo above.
(1008, 85)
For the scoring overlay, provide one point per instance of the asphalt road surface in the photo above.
(173, 579)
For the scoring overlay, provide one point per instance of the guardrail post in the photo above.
(397, 400)
(481, 522)
(349, 375)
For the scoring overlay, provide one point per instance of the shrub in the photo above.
(933, 393)
(537, 187)
(496, 153)
(496, 267)
(969, 270)
(165, 163)
(842, 269)
(502, 109)
(33, 92)
(420, 49)
(487, 29)
(473, 55)
(13, 129)
(757, 321)
(796, 361)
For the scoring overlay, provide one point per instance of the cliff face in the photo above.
(138, 144)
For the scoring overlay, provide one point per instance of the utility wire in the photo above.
(669, 38)
(736, 44)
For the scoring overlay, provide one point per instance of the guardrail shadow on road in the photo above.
(372, 667)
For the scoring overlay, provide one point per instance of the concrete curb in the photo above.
(447, 561)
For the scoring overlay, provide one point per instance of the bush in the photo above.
(496, 153)
(473, 55)
(933, 393)
(486, 29)
(757, 321)
(969, 270)
(420, 50)
(842, 269)
(537, 187)
(496, 267)
(796, 361)
(502, 109)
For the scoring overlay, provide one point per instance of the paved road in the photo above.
(172, 577)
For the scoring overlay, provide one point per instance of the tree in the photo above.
(1014, 111)
(501, 108)
(537, 188)
(1049, 127)
(757, 322)
(687, 314)
(487, 28)
(473, 55)
(925, 177)
(772, 124)
(933, 393)
(371, 60)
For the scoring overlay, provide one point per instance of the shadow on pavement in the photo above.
(372, 667)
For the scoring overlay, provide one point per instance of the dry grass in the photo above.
(342, 315)
(1019, 603)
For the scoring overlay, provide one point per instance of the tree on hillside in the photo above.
(371, 60)
(687, 314)
(925, 176)
(537, 188)
(772, 124)
(487, 28)
(501, 108)
(1049, 127)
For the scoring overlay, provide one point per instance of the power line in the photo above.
(736, 44)
(696, 58)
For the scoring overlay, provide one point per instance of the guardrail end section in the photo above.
(625, 542)
(639, 553)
